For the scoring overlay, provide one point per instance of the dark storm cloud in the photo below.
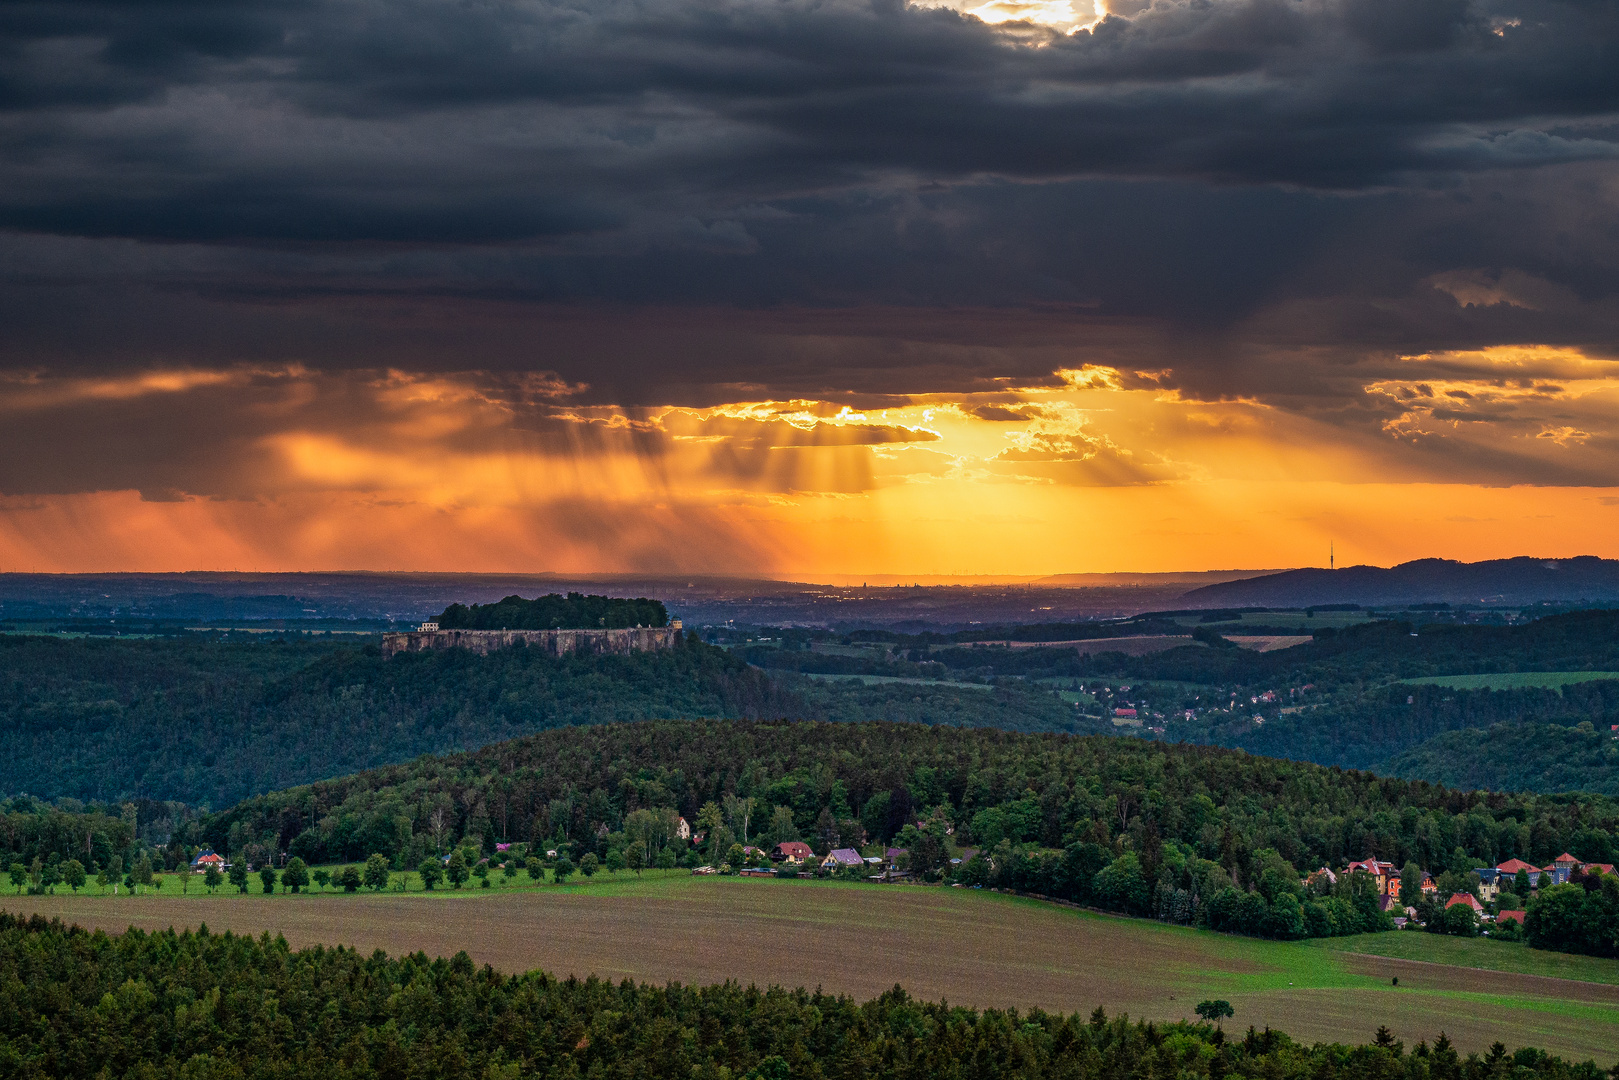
(703, 201)
(420, 120)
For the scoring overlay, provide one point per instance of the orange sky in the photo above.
(1100, 470)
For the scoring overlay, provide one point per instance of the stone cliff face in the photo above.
(553, 642)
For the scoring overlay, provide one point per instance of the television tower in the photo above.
(1332, 558)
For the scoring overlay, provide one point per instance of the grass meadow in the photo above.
(968, 947)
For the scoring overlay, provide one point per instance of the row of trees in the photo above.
(201, 1004)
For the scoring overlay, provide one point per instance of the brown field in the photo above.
(967, 947)
(1267, 642)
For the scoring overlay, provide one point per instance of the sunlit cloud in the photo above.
(396, 469)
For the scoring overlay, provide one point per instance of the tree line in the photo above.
(575, 611)
(197, 1004)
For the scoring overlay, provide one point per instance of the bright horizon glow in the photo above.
(1100, 471)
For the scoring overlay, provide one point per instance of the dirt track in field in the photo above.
(970, 949)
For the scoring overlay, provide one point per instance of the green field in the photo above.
(1513, 680)
(1506, 956)
(966, 946)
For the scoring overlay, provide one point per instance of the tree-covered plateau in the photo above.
(75, 1004)
(575, 611)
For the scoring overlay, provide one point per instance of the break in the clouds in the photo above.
(693, 282)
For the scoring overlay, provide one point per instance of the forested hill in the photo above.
(1517, 757)
(1508, 581)
(208, 722)
(1163, 804)
(213, 722)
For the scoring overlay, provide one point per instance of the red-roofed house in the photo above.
(792, 852)
(1511, 867)
(1382, 871)
(206, 858)
(1464, 898)
(1510, 916)
(1596, 868)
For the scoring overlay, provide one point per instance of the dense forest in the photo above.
(1186, 833)
(75, 1004)
(575, 611)
(209, 722)
(213, 722)
(1517, 757)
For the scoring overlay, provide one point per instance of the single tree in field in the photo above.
(508, 869)
(296, 875)
(323, 878)
(536, 868)
(73, 874)
(457, 868)
(589, 865)
(635, 858)
(431, 871)
(212, 878)
(1215, 1010)
(615, 861)
(19, 876)
(238, 875)
(350, 878)
(267, 877)
(376, 873)
(114, 871)
(141, 872)
(665, 859)
(563, 869)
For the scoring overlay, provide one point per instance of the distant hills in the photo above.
(1585, 578)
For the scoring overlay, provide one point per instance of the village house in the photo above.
(682, 828)
(842, 859)
(1465, 898)
(792, 852)
(1562, 868)
(206, 858)
(1380, 871)
(1510, 916)
(1510, 868)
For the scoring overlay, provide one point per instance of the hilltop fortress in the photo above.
(620, 642)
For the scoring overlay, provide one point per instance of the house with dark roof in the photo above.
(843, 859)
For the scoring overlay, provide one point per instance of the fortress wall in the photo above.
(553, 642)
